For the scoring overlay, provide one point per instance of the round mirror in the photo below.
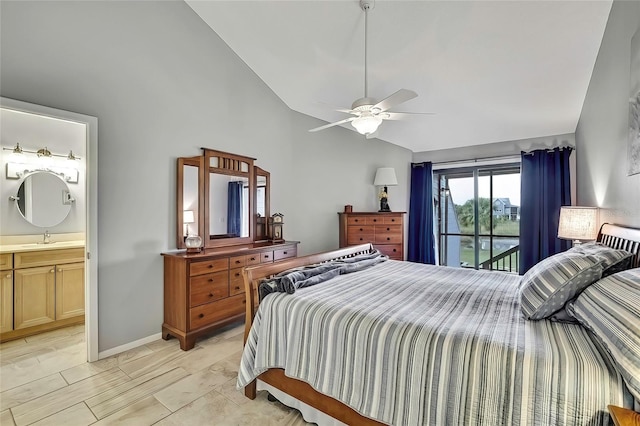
(43, 199)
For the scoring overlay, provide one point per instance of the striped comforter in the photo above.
(413, 344)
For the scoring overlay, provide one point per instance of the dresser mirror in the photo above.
(223, 198)
(262, 202)
(43, 199)
(189, 216)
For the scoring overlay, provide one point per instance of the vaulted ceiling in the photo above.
(491, 71)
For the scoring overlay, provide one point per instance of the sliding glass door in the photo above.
(479, 217)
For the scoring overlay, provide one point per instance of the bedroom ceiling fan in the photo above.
(368, 113)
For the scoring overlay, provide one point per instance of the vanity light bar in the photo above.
(18, 170)
(43, 152)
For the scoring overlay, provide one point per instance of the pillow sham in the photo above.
(549, 284)
(610, 309)
(613, 260)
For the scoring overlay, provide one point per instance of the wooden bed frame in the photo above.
(614, 236)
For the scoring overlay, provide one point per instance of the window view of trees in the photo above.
(495, 242)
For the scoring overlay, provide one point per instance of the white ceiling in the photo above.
(491, 71)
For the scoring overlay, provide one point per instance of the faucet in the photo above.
(47, 237)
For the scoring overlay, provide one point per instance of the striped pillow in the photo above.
(546, 287)
(613, 260)
(610, 308)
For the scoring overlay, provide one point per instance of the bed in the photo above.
(404, 343)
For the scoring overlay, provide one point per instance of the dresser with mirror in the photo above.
(223, 205)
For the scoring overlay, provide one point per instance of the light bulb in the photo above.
(366, 124)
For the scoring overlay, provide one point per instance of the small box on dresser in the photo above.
(385, 230)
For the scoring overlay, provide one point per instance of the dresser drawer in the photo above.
(210, 287)
(389, 230)
(357, 220)
(238, 261)
(388, 239)
(208, 266)
(360, 229)
(392, 220)
(6, 261)
(266, 257)
(253, 259)
(220, 310)
(236, 282)
(394, 251)
(284, 253)
(360, 239)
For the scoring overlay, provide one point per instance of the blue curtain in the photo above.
(234, 208)
(545, 186)
(421, 242)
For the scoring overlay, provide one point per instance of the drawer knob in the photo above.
(388, 229)
(237, 261)
(360, 229)
(52, 271)
(244, 302)
(237, 288)
(210, 294)
(210, 280)
(388, 238)
(253, 258)
(201, 316)
(394, 250)
(8, 275)
(375, 220)
(285, 252)
(237, 274)
(210, 266)
(360, 238)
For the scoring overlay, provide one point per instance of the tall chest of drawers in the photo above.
(205, 291)
(384, 230)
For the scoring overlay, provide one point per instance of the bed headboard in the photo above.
(253, 274)
(623, 238)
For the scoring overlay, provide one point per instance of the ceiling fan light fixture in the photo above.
(366, 124)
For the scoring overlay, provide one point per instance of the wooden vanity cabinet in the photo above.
(6, 293)
(205, 291)
(44, 290)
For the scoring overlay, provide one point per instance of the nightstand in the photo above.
(623, 416)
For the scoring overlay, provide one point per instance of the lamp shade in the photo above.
(187, 216)
(578, 223)
(385, 176)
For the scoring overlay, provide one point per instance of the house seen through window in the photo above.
(479, 217)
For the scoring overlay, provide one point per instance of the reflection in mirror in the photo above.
(262, 203)
(43, 199)
(229, 206)
(190, 200)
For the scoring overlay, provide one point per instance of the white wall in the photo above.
(601, 135)
(163, 85)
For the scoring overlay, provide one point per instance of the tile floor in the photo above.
(44, 380)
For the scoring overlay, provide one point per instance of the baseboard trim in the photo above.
(127, 346)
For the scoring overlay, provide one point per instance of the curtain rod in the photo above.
(477, 160)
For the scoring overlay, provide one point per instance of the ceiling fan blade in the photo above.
(402, 115)
(336, 108)
(326, 126)
(399, 97)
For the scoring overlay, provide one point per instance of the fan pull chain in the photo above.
(365, 6)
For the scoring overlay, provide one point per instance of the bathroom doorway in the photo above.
(61, 146)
